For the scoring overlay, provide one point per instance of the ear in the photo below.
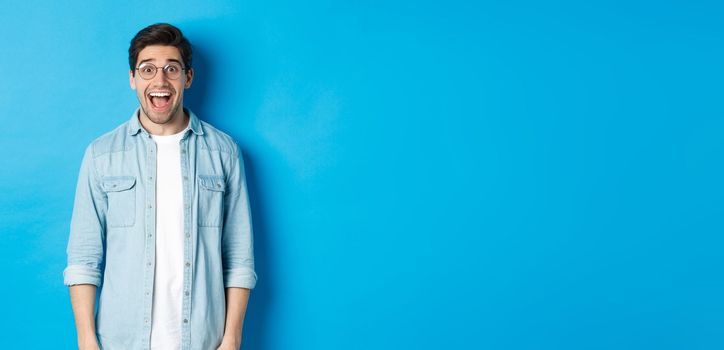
(131, 80)
(189, 78)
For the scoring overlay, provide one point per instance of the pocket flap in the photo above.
(212, 182)
(117, 183)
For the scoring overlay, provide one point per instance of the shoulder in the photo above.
(217, 140)
(112, 141)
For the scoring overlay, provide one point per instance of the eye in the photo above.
(172, 69)
(147, 69)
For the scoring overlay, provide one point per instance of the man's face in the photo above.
(160, 97)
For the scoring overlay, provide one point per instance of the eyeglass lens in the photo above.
(148, 71)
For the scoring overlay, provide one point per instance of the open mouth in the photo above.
(160, 100)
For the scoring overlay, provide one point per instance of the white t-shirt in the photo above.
(166, 317)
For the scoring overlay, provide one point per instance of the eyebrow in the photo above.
(153, 59)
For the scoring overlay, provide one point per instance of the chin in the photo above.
(157, 118)
(163, 119)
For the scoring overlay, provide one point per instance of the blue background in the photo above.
(424, 175)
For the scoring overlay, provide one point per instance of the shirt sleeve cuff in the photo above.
(80, 274)
(240, 278)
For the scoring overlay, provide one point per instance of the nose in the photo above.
(160, 76)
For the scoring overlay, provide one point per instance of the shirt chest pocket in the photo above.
(121, 194)
(211, 200)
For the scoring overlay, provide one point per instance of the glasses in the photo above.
(172, 70)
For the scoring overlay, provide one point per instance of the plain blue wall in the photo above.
(424, 175)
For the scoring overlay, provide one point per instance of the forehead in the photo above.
(159, 53)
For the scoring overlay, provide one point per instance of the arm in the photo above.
(236, 301)
(237, 252)
(83, 298)
(85, 250)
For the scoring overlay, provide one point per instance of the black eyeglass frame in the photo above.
(155, 70)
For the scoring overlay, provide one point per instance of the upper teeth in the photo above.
(160, 94)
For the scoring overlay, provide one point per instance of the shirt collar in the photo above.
(134, 125)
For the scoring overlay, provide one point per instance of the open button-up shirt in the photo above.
(112, 237)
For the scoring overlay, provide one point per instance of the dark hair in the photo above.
(159, 34)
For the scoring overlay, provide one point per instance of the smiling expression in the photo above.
(160, 97)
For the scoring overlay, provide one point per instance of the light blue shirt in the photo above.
(112, 234)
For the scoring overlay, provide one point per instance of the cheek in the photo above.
(180, 89)
(137, 84)
(140, 94)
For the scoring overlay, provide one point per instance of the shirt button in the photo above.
(183, 151)
(150, 178)
(150, 235)
(186, 320)
(150, 206)
(187, 292)
(188, 235)
(188, 264)
(147, 293)
(149, 263)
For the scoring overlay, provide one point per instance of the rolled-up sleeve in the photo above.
(86, 240)
(237, 238)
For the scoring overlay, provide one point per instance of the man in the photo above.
(161, 221)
